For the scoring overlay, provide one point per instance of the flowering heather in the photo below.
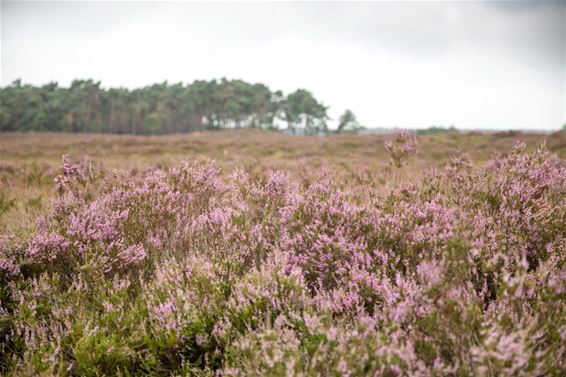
(401, 146)
(195, 271)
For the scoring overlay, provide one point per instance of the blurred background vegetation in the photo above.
(163, 108)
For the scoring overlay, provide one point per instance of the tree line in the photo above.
(163, 108)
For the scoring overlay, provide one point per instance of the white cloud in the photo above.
(394, 63)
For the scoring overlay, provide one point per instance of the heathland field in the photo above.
(257, 253)
(29, 162)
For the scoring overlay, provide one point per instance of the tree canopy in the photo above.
(348, 122)
(162, 108)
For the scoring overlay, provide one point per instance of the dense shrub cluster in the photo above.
(192, 272)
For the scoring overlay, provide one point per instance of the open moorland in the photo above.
(256, 253)
(29, 162)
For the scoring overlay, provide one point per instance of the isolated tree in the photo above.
(348, 122)
(303, 110)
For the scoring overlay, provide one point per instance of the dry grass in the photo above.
(30, 161)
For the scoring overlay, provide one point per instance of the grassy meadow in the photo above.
(251, 253)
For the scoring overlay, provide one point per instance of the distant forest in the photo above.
(163, 108)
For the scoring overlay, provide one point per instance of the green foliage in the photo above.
(157, 109)
(348, 123)
(6, 202)
(302, 110)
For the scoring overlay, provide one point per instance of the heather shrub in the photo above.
(194, 271)
(263, 295)
(401, 146)
(184, 302)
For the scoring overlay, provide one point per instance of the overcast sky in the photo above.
(411, 64)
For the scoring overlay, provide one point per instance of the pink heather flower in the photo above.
(48, 246)
(166, 308)
(430, 272)
(108, 306)
(401, 145)
(131, 256)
